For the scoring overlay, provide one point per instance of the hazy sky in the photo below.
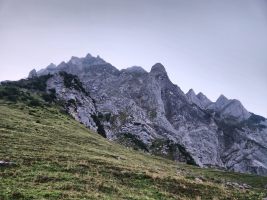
(217, 47)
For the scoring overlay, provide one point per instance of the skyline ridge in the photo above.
(156, 65)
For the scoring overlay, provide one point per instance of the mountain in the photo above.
(230, 108)
(146, 111)
(200, 99)
(47, 154)
(223, 106)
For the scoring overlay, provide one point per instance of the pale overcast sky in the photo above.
(217, 47)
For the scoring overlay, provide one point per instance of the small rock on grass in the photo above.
(6, 163)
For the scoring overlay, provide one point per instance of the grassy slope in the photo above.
(58, 158)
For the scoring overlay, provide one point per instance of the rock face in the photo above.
(32, 74)
(223, 106)
(229, 108)
(78, 103)
(200, 99)
(145, 110)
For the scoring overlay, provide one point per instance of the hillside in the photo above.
(144, 109)
(49, 155)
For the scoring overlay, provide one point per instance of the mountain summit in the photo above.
(146, 111)
(158, 68)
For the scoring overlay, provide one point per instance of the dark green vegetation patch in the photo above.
(72, 81)
(169, 149)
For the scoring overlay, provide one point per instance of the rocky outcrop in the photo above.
(204, 100)
(225, 108)
(77, 102)
(229, 108)
(145, 110)
(200, 99)
(32, 74)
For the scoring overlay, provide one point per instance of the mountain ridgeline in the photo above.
(146, 111)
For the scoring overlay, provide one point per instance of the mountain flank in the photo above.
(146, 111)
(46, 153)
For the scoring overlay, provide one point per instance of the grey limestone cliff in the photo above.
(146, 111)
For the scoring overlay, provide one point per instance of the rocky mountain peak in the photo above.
(229, 108)
(134, 69)
(192, 98)
(94, 60)
(158, 68)
(200, 99)
(75, 60)
(236, 109)
(32, 74)
(203, 98)
(191, 95)
(51, 66)
(62, 65)
(88, 56)
(200, 95)
(222, 99)
(88, 59)
(75, 65)
(221, 102)
(191, 92)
